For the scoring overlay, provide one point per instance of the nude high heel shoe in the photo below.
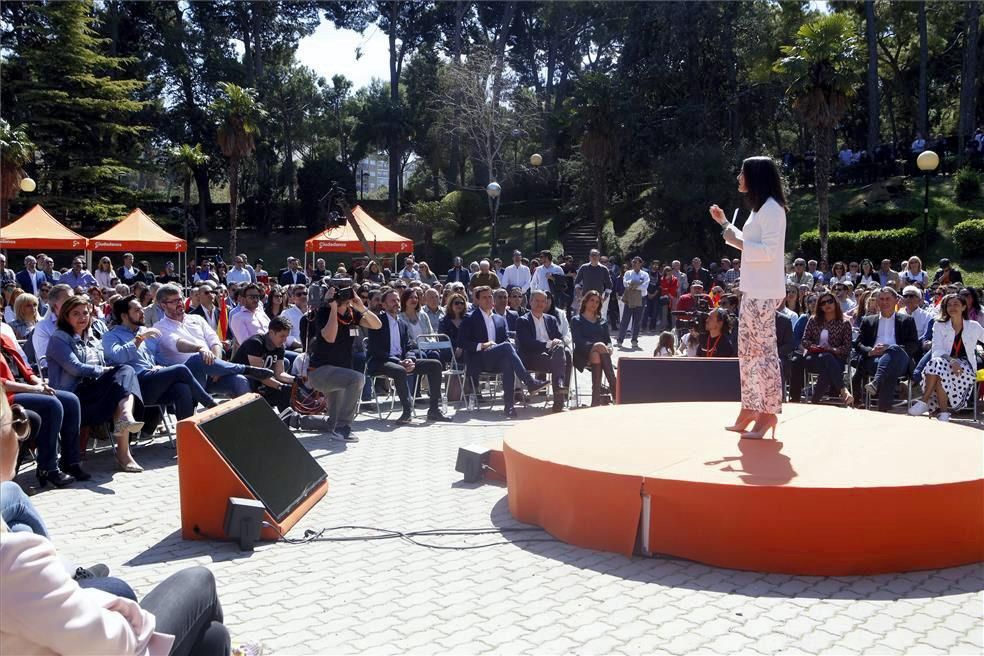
(763, 424)
(745, 417)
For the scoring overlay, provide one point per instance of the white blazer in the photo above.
(763, 267)
(943, 334)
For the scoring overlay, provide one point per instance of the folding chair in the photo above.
(441, 343)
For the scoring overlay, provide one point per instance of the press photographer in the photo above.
(329, 330)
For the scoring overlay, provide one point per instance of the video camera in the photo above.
(696, 317)
(328, 290)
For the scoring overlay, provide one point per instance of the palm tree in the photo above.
(822, 63)
(238, 113)
(15, 151)
(185, 160)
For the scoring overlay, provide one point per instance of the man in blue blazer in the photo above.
(483, 337)
(389, 354)
(542, 348)
(30, 278)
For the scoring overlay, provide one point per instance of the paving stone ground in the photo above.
(389, 596)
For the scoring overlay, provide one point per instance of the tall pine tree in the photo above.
(81, 116)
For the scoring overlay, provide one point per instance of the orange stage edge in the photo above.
(206, 481)
(840, 492)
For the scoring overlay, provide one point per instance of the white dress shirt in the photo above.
(42, 335)
(489, 327)
(517, 276)
(540, 328)
(294, 314)
(396, 349)
(193, 329)
(886, 330)
(539, 279)
(641, 277)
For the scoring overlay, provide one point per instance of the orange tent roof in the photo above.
(38, 229)
(137, 232)
(342, 239)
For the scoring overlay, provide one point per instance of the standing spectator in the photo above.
(106, 278)
(30, 279)
(593, 277)
(457, 273)
(6, 275)
(545, 276)
(238, 273)
(669, 288)
(292, 275)
(683, 283)
(918, 145)
(128, 274)
(517, 274)
(320, 270)
(485, 277)
(298, 295)
(636, 282)
(697, 272)
(261, 274)
(169, 274)
(915, 275)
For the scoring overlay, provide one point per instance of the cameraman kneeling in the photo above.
(330, 370)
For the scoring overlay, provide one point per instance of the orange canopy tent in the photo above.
(36, 229)
(138, 232)
(343, 239)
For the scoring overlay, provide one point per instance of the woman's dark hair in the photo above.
(66, 308)
(944, 316)
(724, 317)
(870, 265)
(405, 296)
(975, 298)
(818, 311)
(762, 180)
(587, 297)
(553, 306)
(839, 264)
(268, 305)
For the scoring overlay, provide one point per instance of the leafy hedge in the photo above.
(895, 244)
(968, 184)
(969, 236)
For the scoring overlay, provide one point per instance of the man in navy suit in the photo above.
(30, 279)
(483, 337)
(292, 275)
(500, 305)
(542, 348)
(388, 354)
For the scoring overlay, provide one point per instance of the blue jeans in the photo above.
(174, 385)
(17, 511)
(60, 414)
(230, 375)
(885, 370)
(923, 361)
(635, 314)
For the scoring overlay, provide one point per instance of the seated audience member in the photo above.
(432, 308)
(77, 278)
(561, 316)
(127, 344)
(688, 301)
(500, 305)
(912, 301)
(44, 329)
(214, 312)
(825, 348)
(690, 342)
(843, 292)
(885, 348)
(26, 315)
(252, 319)
(275, 301)
(77, 364)
(593, 344)
(298, 295)
(390, 353)
(169, 274)
(516, 301)
(784, 341)
(267, 352)
(839, 273)
(187, 339)
(950, 376)
(484, 339)
(409, 271)
(417, 322)
(427, 276)
(914, 273)
(60, 416)
(973, 300)
(665, 346)
(105, 276)
(716, 343)
(454, 314)
(542, 348)
(329, 339)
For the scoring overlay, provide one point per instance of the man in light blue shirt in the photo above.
(127, 343)
(78, 277)
(636, 281)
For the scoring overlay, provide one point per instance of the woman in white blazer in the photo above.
(951, 373)
(762, 243)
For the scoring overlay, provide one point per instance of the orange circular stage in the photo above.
(838, 492)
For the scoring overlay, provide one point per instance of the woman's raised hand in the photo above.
(718, 214)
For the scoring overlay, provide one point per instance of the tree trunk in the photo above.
(923, 119)
(204, 198)
(825, 150)
(500, 52)
(968, 76)
(455, 174)
(187, 203)
(395, 156)
(233, 203)
(871, 32)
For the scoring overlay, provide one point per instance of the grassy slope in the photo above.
(942, 205)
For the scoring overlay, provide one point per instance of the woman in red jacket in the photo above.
(669, 288)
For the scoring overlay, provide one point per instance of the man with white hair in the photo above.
(485, 277)
(541, 347)
(517, 274)
(238, 272)
(912, 301)
(6, 275)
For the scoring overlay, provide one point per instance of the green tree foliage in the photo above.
(185, 160)
(82, 112)
(822, 65)
(16, 150)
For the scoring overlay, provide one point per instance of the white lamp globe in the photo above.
(536, 159)
(927, 160)
(28, 185)
(493, 190)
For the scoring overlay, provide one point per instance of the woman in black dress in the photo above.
(593, 344)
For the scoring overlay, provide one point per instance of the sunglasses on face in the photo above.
(910, 296)
(458, 303)
(18, 422)
(827, 301)
(256, 296)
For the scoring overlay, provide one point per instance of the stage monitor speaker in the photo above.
(242, 449)
(665, 380)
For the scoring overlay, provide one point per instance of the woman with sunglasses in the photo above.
(824, 349)
(839, 274)
(454, 314)
(60, 414)
(972, 297)
(104, 274)
(274, 304)
(762, 242)
(949, 377)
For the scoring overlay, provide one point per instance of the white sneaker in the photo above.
(943, 416)
(918, 407)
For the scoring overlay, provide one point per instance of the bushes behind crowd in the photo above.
(896, 244)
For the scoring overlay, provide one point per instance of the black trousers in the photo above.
(423, 367)
(186, 605)
(557, 361)
(830, 375)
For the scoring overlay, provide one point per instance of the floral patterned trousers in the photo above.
(758, 356)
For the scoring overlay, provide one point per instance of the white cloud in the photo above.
(331, 51)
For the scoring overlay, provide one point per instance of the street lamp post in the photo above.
(535, 161)
(927, 163)
(493, 190)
